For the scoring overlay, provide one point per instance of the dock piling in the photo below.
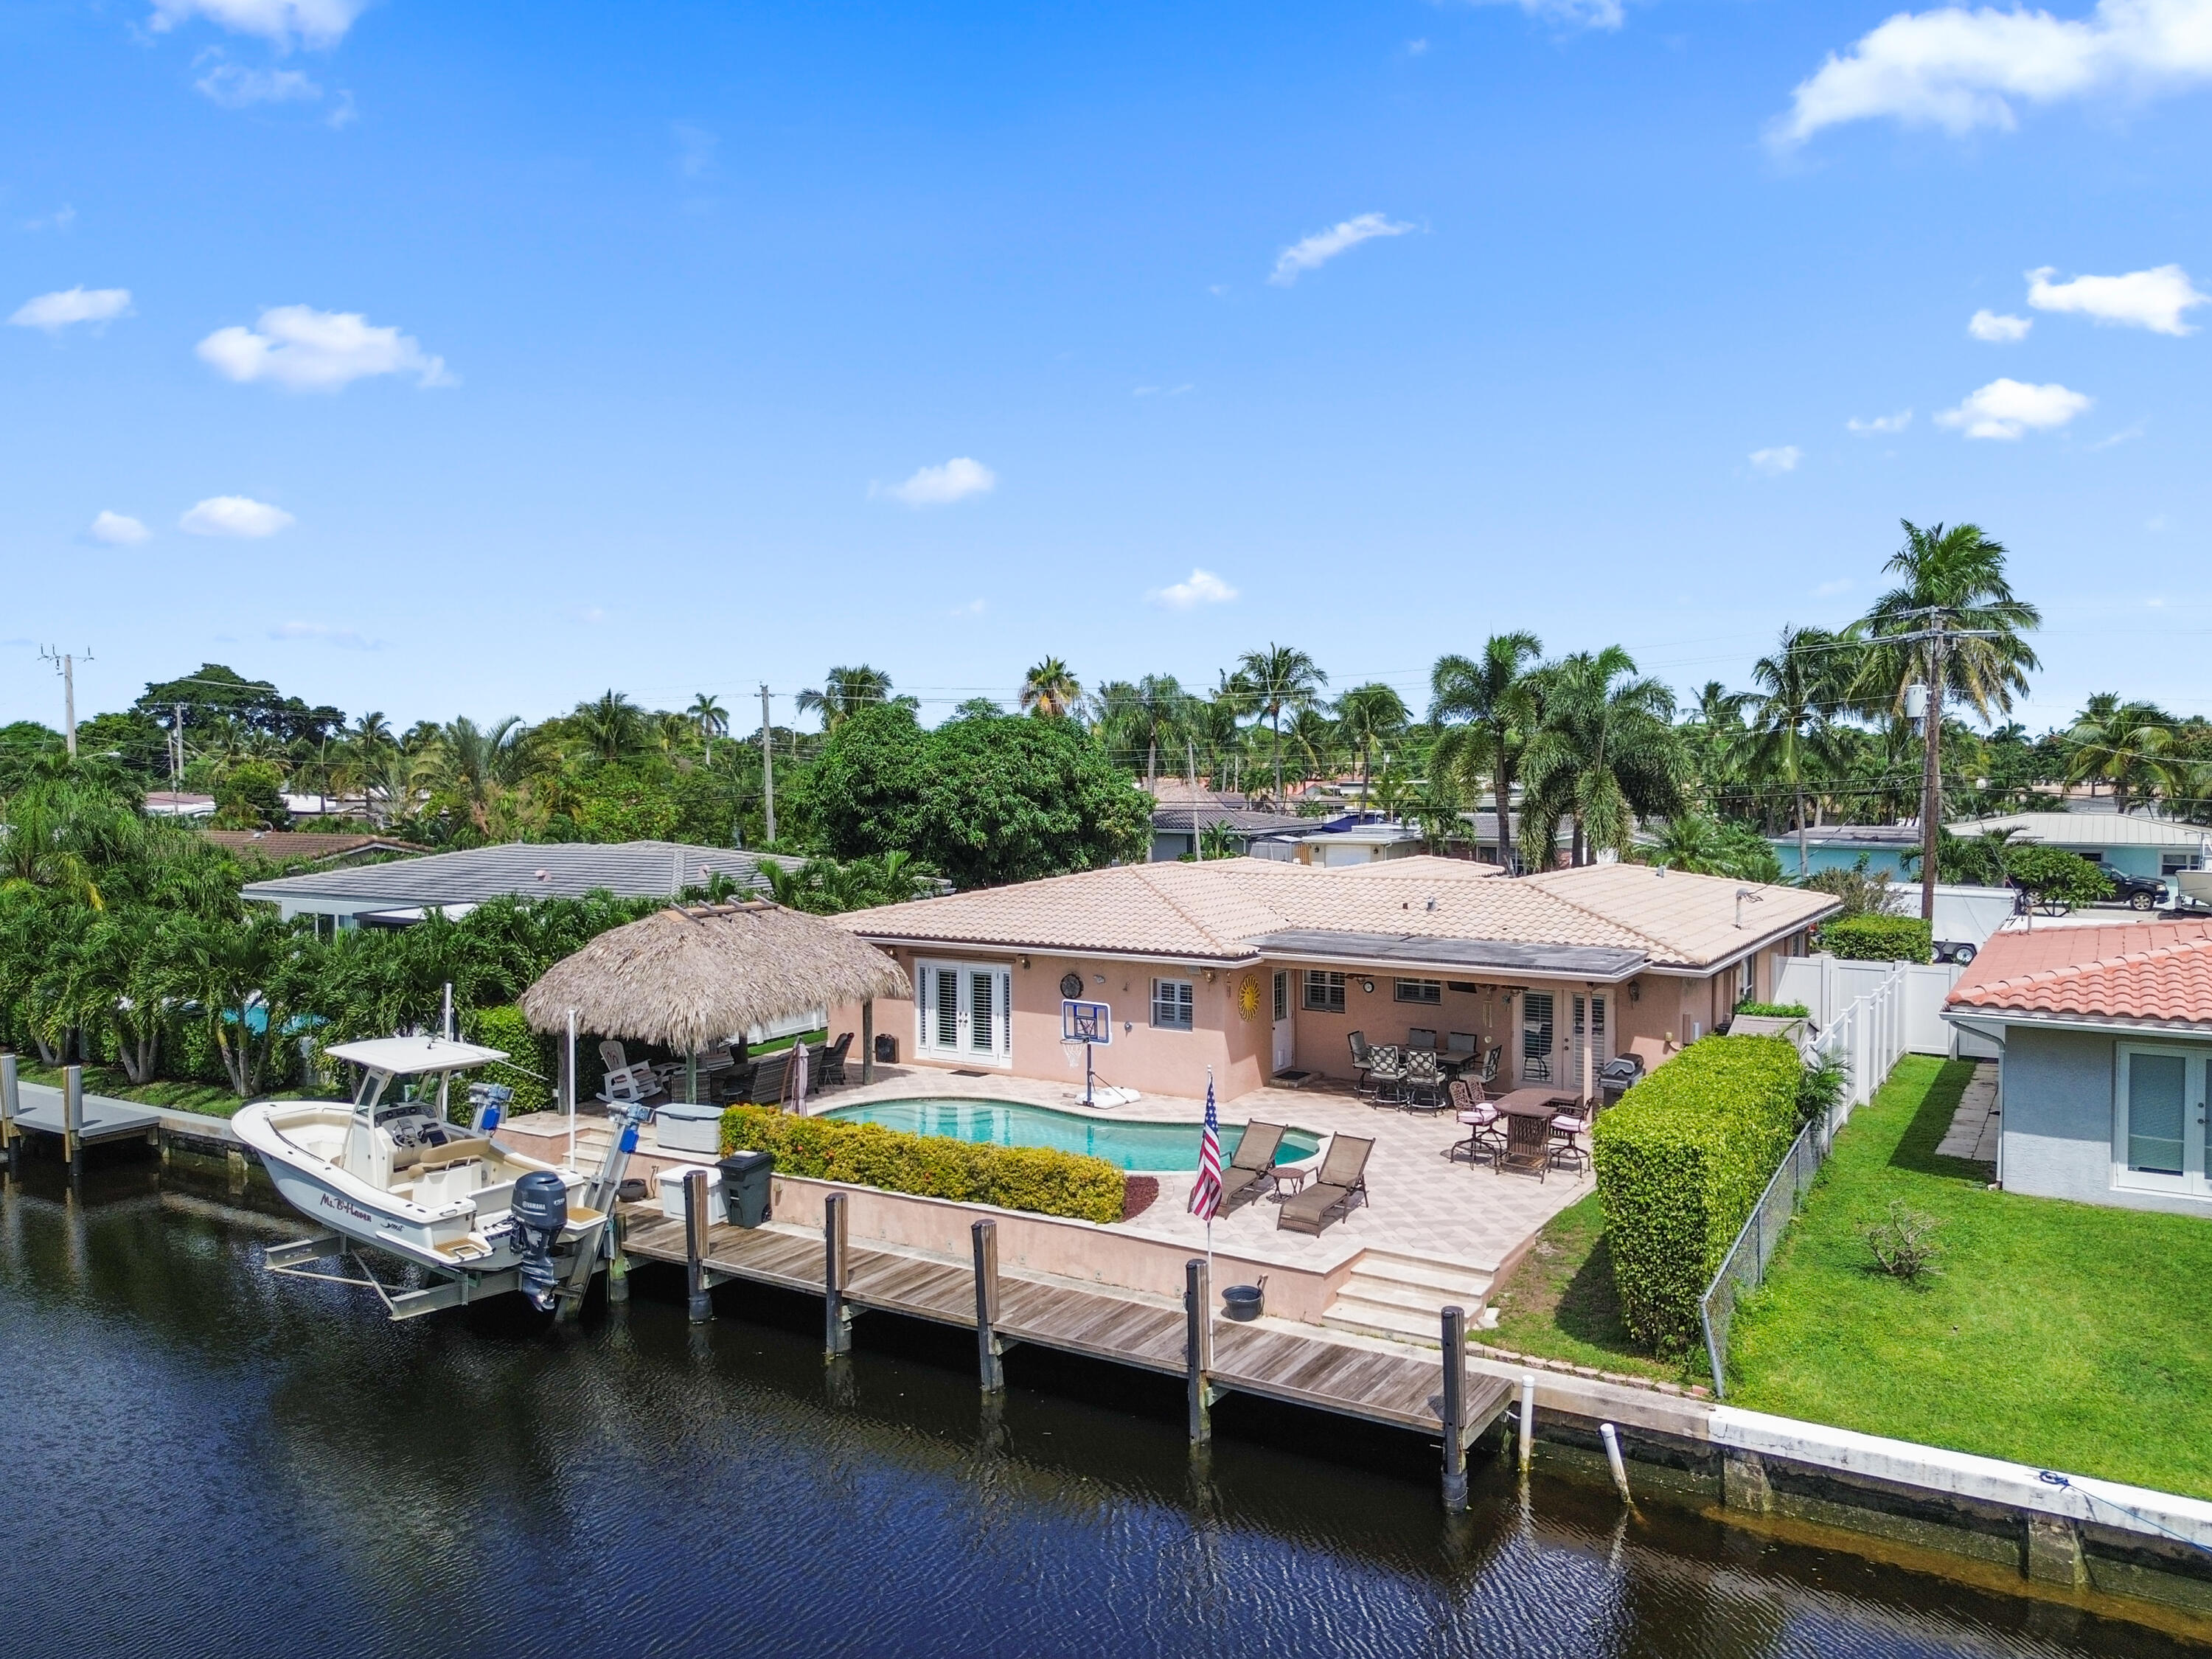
(1527, 1449)
(1611, 1436)
(10, 1102)
(699, 1304)
(1198, 1347)
(837, 1317)
(989, 1354)
(73, 1118)
(1454, 1408)
(618, 1263)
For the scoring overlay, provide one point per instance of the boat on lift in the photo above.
(390, 1171)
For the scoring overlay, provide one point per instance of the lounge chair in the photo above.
(1252, 1164)
(1342, 1178)
(758, 1082)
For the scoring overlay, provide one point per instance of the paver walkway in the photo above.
(1974, 1132)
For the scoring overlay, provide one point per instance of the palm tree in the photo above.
(1314, 741)
(1605, 751)
(1281, 678)
(2128, 745)
(710, 719)
(845, 692)
(1958, 574)
(1050, 689)
(1484, 707)
(612, 725)
(1792, 721)
(371, 732)
(1717, 738)
(1218, 716)
(477, 765)
(1368, 716)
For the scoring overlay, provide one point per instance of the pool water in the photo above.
(1126, 1142)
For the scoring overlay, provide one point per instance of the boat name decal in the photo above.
(331, 1201)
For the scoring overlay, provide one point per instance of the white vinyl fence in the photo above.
(1829, 987)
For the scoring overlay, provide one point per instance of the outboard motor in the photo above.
(540, 1210)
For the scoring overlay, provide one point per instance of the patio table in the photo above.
(1528, 1135)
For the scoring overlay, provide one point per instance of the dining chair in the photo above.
(1421, 1037)
(1567, 1130)
(1424, 1085)
(1480, 1118)
(1362, 1065)
(1387, 1073)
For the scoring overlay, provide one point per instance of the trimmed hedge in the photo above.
(1032, 1178)
(506, 1029)
(1879, 938)
(1681, 1160)
(1773, 1010)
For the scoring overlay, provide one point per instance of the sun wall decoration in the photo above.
(1248, 997)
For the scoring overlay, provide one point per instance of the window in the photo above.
(1171, 1004)
(2159, 1119)
(1419, 990)
(1324, 991)
(1746, 979)
(1282, 997)
(1536, 1025)
(2172, 863)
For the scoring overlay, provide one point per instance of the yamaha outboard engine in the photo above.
(540, 1210)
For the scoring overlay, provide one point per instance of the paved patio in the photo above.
(1421, 1203)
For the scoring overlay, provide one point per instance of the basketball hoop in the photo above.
(1082, 1024)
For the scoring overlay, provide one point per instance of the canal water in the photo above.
(201, 1459)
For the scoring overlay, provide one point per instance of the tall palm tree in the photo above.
(371, 732)
(845, 692)
(1049, 691)
(1793, 720)
(1233, 701)
(1152, 715)
(2128, 745)
(1314, 741)
(1485, 708)
(1958, 573)
(710, 719)
(1370, 716)
(477, 764)
(612, 725)
(1717, 738)
(1604, 752)
(1283, 679)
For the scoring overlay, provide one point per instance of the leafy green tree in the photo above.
(251, 796)
(2055, 878)
(1604, 751)
(1704, 846)
(1483, 709)
(1280, 679)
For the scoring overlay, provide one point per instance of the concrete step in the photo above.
(1352, 1312)
(1415, 1298)
(1404, 1296)
(1459, 1278)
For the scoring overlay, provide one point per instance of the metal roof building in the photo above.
(394, 893)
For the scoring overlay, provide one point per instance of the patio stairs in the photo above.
(1404, 1296)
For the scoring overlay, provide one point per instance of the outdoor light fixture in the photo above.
(1636, 990)
(1367, 985)
(1024, 961)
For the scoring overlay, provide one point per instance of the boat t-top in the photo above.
(392, 1172)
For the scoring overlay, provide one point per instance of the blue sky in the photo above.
(476, 358)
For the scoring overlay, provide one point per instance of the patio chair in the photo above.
(1385, 1072)
(1251, 1164)
(1362, 1065)
(830, 1067)
(1528, 1145)
(623, 1082)
(1492, 1063)
(1342, 1179)
(1460, 1048)
(1566, 1146)
(734, 1086)
(756, 1083)
(1424, 1086)
(1480, 1118)
(1421, 1037)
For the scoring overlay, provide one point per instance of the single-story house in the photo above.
(2133, 843)
(1251, 968)
(400, 892)
(2105, 1033)
(1177, 827)
(308, 847)
(1840, 846)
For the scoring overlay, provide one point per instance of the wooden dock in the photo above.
(1428, 1392)
(68, 1114)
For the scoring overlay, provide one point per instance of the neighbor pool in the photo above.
(1126, 1142)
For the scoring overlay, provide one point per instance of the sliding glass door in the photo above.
(964, 1012)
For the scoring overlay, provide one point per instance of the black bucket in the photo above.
(1243, 1302)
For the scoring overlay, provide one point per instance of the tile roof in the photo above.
(2089, 829)
(283, 845)
(2159, 971)
(1219, 908)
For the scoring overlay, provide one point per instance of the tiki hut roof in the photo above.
(689, 977)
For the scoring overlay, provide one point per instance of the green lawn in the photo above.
(110, 1081)
(2065, 1335)
(1560, 1302)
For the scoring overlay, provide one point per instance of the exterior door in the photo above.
(1591, 1044)
(964, 1012)
(2158, 1120)
(1286, 1037)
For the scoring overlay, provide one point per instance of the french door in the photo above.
(964, 1011)
(2158, 1120)
(1592, 1040)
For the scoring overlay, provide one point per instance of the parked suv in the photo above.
(2137, 892)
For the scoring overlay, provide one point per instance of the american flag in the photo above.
(1205, 1191)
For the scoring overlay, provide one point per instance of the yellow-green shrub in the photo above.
(1681, 1160)
(1033, 1178)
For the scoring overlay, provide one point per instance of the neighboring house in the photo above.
(2106, 1034)
(1251, 968)
(2133, 844)
(1327, 845)
(396, 894)
(1175, 835)
(177, 803)
(295, 846)
(1840, 846)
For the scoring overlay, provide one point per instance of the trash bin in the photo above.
(745, 1185)
(886, 1049)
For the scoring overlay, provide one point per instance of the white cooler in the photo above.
(679, 1127)
(672, 1191)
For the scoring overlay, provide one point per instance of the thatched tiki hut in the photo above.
(691, 976)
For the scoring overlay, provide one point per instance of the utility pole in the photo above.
(768, 763)
(177, 748)
(65, 665)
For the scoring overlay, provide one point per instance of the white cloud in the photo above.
(1997, 328)
(2143, 299)
(1318, 249)
(234, 516)
(1203, 587)
(2007, 407)
(55, 312)
(345, 639)
(940, 486)
(1415, 48)
(119, 530)
(234, 85)
(1578, 14)
(2124, 435)
(308, 22)
(1957, 69)
(1783, 457)
(62, 218)
(1880, 423)
(305, 349)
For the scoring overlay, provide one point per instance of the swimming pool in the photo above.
(1126, 1142)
